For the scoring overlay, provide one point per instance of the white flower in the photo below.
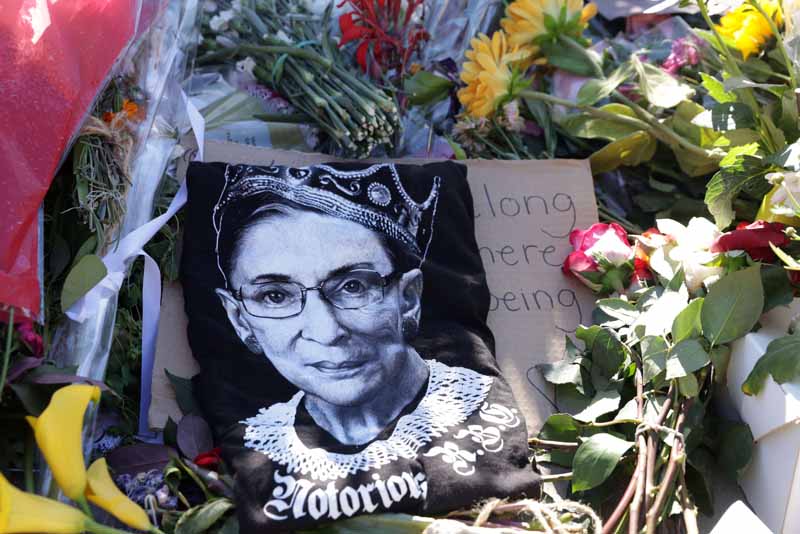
(209, 6)
(514, 120)
(690, 250)
(246, 66)
(611, 248)
(220, 22)
(785, 199)
(283, 37)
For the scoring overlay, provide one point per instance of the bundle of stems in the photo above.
(295, 56)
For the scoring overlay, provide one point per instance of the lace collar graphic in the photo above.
(453, 394)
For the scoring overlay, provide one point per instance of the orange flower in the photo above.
(108, 117)
(131, 109)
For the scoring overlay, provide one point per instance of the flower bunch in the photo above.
(58, 434)
(684, 51)
(385, 31)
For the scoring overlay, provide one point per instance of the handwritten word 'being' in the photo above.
(538, 300)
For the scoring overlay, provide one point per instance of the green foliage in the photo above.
(425, 88)
(733, 306)
(596, 459)
(86, 274)
(781, 361)
(201, 518)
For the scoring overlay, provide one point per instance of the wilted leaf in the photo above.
(86, 274)
(201, 518)
(631, 150)
(596, 459)
(194, 436)
(138, 458)
(660, 88)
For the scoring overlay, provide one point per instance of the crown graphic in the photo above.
(374, 197)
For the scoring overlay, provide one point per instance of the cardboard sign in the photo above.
(524, 212)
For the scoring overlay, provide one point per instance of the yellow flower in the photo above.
(526, 22)
(25, 513)
(747, 28)
(489, 73)
(104, 493)
(58, 433)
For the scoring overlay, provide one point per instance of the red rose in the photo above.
(754, 239)
(210, 459)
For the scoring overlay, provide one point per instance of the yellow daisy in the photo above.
(489, 73)
(527, 20)
(748, 29)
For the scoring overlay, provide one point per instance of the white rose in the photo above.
(691, 250)
(610, 247)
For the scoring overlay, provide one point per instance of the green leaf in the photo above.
(788, 158)
(86, 274)
(201, 518)
(458, 151)
(561, 372)
(720, 358)
(590, 127)
(782, 361)
(604, 402)
(682, 121)
(596, 459)
(654, 356)
(425, 88)
(725, 117)
(588, 334)
(777, 288)
(685, 358)
(688, 386)
(716, 90)
(660, 88)
(566, 58)
(687, 324)
(184, 395)
(735, 448)
(560, 427)
(619, 309)
(726, 184)
(595, 90)
(631, 150)
(608, 353)
(733, 306)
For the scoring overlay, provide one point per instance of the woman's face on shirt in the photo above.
(343, 357)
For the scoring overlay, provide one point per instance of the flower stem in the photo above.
(554, 478)
(289, 50)
(30, 485)
(7, 351)
(84, 506)
(779, 42)
(99, 528)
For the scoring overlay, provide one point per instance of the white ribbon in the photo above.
(117, 261)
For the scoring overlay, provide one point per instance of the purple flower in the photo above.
(684, 52)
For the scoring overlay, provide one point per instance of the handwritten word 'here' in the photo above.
(511, 206)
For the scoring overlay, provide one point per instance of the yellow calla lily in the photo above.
(58, 433)
(23, 513)
(102, 492)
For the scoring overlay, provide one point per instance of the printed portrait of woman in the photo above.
(323, 277)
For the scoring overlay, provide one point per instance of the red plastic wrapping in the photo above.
(54, 58)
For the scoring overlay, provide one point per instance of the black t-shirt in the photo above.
(298, 287)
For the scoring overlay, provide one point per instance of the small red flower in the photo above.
(210, 459)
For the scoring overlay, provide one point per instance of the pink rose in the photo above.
(602, 258)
